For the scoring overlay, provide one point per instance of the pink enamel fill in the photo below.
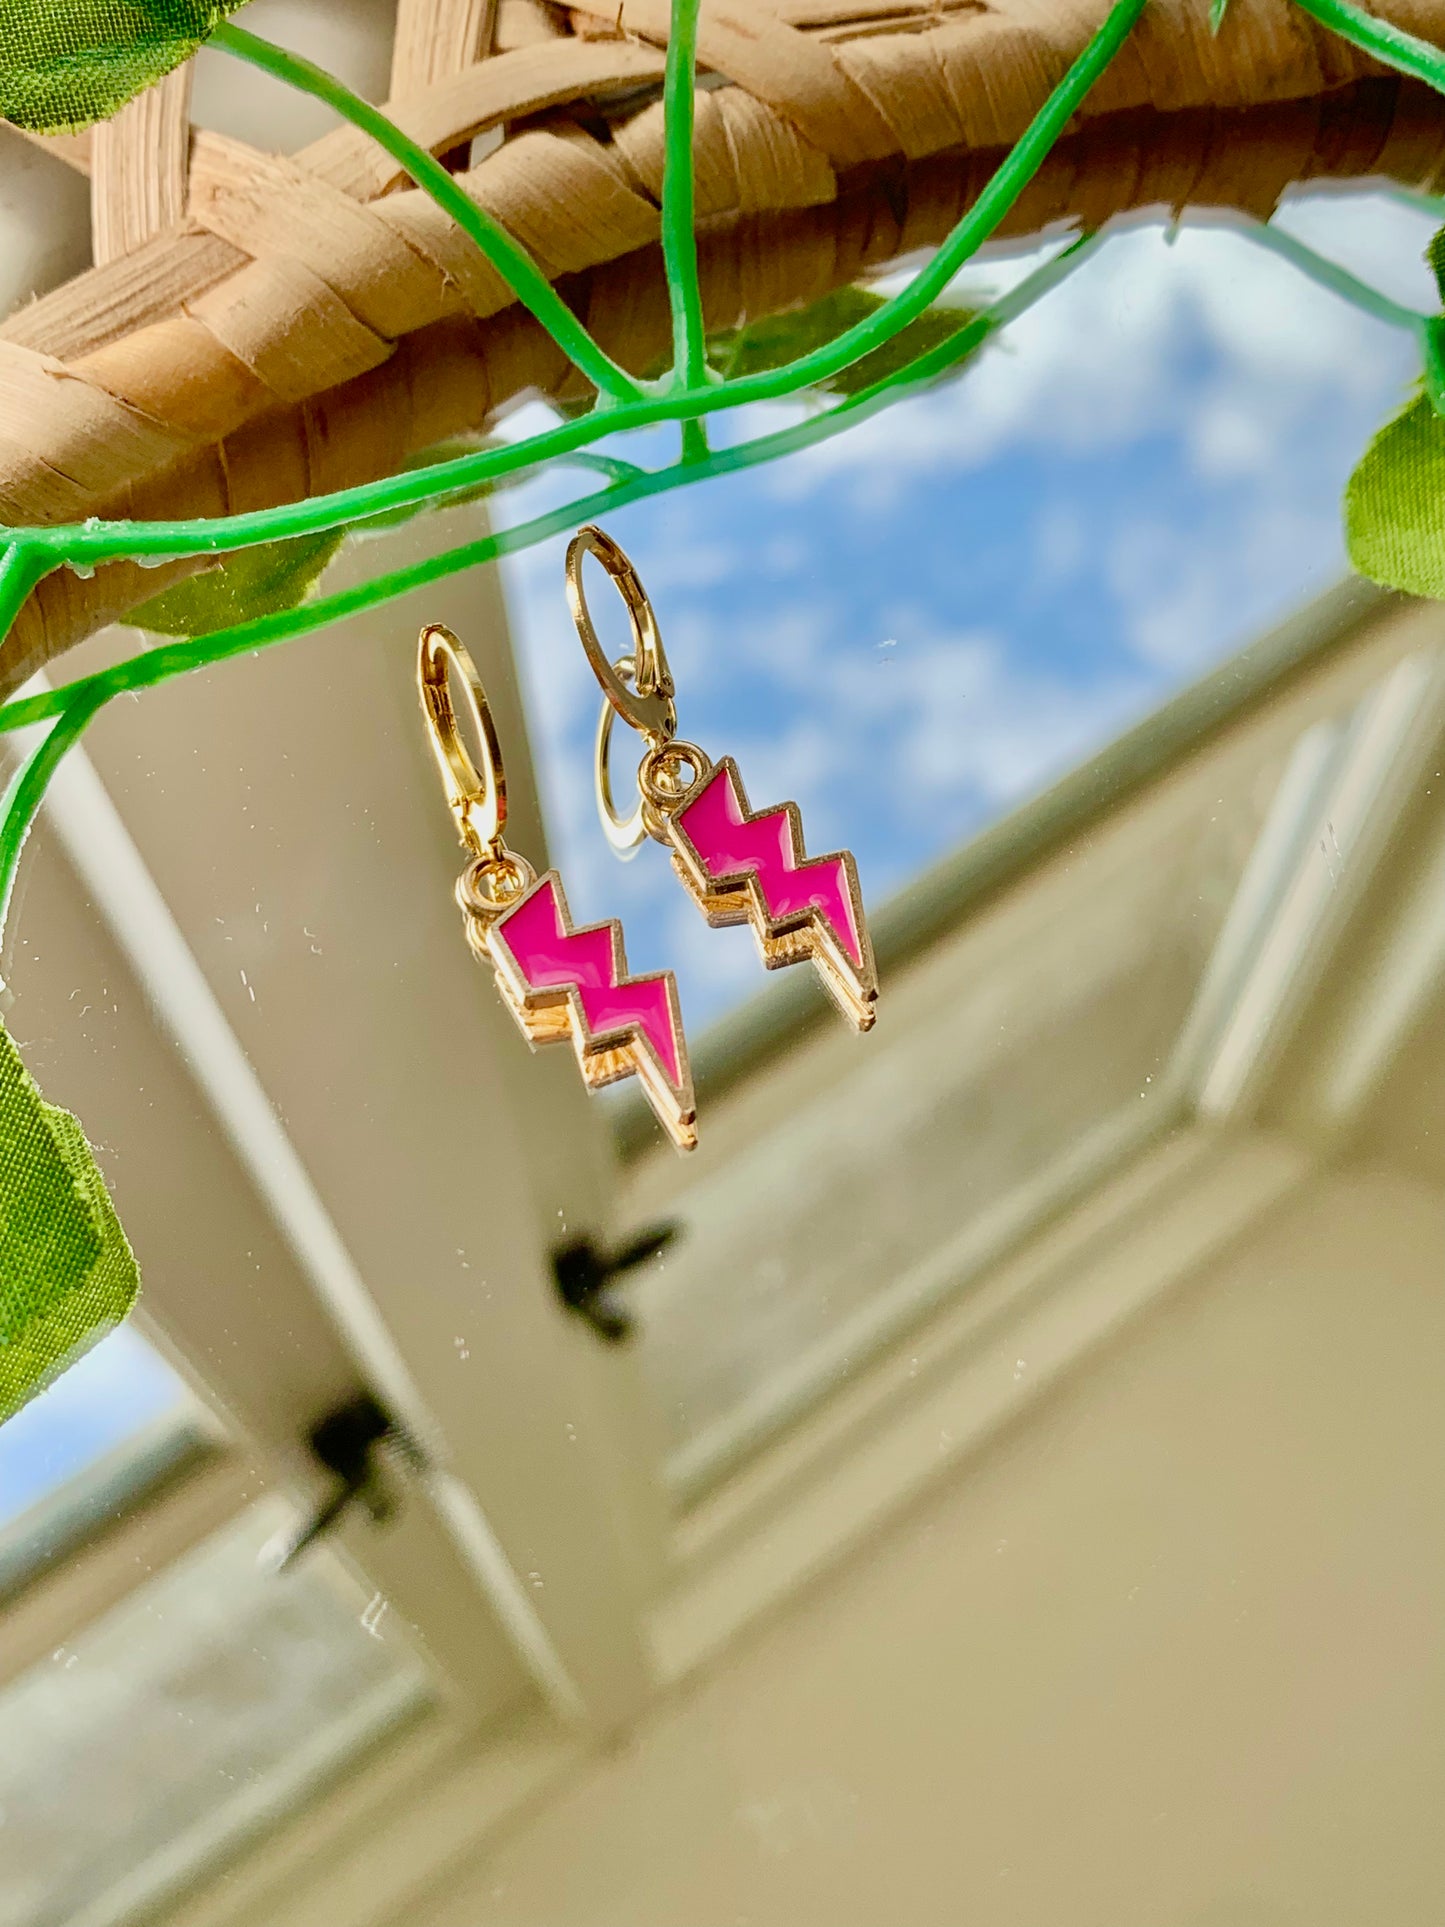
(641, 1002)
(729, 847)
(548, 958)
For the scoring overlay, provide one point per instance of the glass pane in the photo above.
(215, 1699)
(1027, 1056)
(912, 629)
(115, 1394)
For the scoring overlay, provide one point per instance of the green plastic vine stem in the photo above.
(1428, 329)
(679, 203)
(628, 484)
(512, 262)
(27, 787)
(1432, 359)
(1392, 46)
(22, 567)
(1407, 54)
(94, 542)
(1014, 174)
(1430, 204)
(1338, 280)
(632, 483)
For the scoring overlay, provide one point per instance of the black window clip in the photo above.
(351, 1443)
(587, 1278)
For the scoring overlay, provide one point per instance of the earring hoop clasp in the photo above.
(478, 797)
(638, 687)
(646, 702)
(626, 834)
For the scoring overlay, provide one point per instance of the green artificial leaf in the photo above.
(1217, 10)
(262, 581)
(67, 1275)
(759, 346)
(1395, 504)
(1435, 255)
(67, 63)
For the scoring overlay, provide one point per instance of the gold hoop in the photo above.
(647, 705)
(627, 833)
(478, 797)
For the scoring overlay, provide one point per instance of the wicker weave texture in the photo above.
(259, 327)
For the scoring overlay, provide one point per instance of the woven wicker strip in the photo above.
(138, 169)
(306, 323)
(435, 39)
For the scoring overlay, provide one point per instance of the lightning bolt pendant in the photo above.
(749, 866)
(567, 984)
(559, 982)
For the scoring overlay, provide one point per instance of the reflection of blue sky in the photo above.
(912, 627)
(98, 1404)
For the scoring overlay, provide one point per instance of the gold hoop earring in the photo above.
(558, 981)
(738, 864)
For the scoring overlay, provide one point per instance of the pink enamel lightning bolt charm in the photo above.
(740, 865)
(559, 982)
(748, 866)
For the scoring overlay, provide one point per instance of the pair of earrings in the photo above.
(738, 865)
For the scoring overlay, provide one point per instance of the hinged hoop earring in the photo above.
(638, 687)
(559, 982)
(478, 797)
(739, 865)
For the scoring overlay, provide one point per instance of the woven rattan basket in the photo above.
(259, 328)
